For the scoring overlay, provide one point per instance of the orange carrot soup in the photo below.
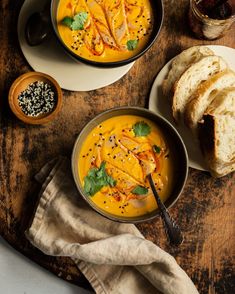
(105, 30)
(115, 159)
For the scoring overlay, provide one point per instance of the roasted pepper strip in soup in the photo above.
(99, 18)
(91, 35)
(122, 159)
(125, 182)
(116, 14)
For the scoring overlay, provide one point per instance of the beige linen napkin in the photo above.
(114, 257)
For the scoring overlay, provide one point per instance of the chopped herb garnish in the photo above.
(156, 149)
(131, 44)
(77, 22)
(96, 179)
(141, 129)
(67, 21)
(140, 190)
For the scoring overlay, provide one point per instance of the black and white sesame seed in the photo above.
(38, 98)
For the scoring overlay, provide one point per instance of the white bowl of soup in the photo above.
(106, 33)
(113, 155)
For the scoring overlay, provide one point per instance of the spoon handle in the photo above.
(172, 230)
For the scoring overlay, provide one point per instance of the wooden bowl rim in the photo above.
(21, 115)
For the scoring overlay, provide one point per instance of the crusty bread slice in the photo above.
(217, 133)
(191, 79)
(204, 95)
(180, 63)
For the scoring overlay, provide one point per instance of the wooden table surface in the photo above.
(205, 210)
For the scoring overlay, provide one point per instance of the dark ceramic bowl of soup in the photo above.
(106, 33)
(113, 155)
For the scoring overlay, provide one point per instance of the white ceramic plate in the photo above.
(159, 104)
(52, 59)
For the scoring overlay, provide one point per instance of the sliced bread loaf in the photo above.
(217, 133)
(180, 63)
(204, 95)
(191, 79)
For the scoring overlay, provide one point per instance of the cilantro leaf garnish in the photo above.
(67, 21)
(141, 129)
(131, 44)
(77, 22)
(156, 149)
(140, 190)
(96, 179)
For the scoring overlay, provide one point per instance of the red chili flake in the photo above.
(69, 6)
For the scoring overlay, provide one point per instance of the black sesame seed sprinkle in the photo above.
(38, 98)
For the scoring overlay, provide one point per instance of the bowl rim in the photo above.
(34, 120)
(109, 63)
(110, 216)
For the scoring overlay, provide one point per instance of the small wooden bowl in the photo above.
(20, 84)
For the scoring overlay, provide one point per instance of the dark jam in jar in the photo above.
(216, 9)
(210, 19)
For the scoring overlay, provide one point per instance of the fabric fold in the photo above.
(114, 257)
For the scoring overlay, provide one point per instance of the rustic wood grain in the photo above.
(206, 208)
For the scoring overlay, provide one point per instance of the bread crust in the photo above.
(175, 112)
(190, 114)
(207, 138)
(206, 135)
(180, 63)
(211, 65)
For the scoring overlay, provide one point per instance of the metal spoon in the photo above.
(38, 27)
(172, 230)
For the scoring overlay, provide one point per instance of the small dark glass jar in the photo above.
(212, 25)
